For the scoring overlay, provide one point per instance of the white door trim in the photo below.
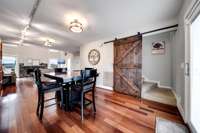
(190, 17)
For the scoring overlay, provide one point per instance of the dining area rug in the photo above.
(166, 126)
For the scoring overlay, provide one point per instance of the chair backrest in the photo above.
(89, 78)
(37, 78)
(60, 70)
(88, 68)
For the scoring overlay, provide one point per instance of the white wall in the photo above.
(24, 53)
(106, 59)
(179, 54)
(75, 61)
(31, 52)
(157, 68)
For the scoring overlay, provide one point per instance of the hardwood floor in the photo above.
(116, 113)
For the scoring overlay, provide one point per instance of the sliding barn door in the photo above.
(128, 66)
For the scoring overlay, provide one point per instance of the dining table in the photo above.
(67, 79)
(64, 77)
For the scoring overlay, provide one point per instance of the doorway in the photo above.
(158, 67)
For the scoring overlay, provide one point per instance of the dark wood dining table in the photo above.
(65, 78)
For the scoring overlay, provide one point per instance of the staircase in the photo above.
(151, 91)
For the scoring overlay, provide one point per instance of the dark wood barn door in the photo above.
(128, 65)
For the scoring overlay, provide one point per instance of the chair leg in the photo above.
(1, 91)
(82, 106)
(61, 98)
(66, 100)
(38, 105)
(83, 101)
(42, 106)
(93, 101)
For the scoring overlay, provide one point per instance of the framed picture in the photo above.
(158, 47)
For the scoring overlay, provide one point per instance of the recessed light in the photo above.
(21, 41)
(49, 42)
(25, 21)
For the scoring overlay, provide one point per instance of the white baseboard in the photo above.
(105, 87)
(192, 129)
(165, 87)
(179, 106)
(158, 83)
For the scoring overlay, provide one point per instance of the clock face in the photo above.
(94, 57)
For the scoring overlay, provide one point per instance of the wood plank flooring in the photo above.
(116, 113)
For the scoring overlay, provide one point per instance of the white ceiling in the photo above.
(105, 19)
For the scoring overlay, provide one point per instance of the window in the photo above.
(61, 61)
(54, 63)
(9, 64)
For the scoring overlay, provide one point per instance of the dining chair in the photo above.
(4, 83)
(85, 85)
(43, 89)
(88, 68)
(60, 70)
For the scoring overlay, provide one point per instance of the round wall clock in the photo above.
(94, 57)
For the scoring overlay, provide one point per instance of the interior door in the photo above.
(128, 65)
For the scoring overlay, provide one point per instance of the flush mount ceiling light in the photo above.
(48, 43)
(76, 26)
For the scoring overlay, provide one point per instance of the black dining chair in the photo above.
(85, 85)
(5, 82)
(60, 70)
(45, 88)
(88, 68)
